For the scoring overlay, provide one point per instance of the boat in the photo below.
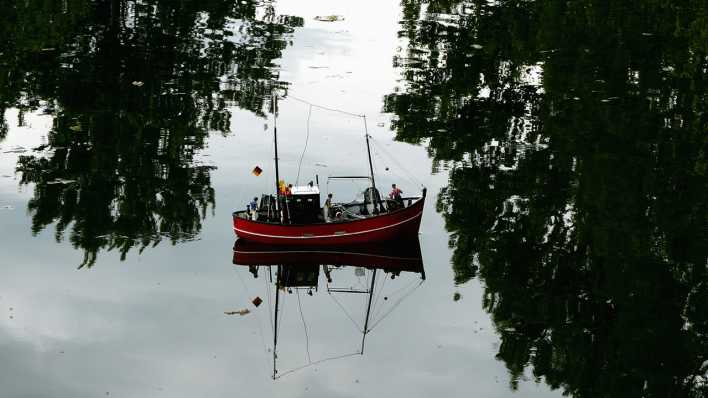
(291, 270)
(403, 256)
(294, 216)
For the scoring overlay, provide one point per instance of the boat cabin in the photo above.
(304, 204)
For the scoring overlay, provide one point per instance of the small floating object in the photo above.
(60, 181)
(239, 312)
(138, 83)
(257, 171)
(257, 301)
(477, 46)
(329, 18)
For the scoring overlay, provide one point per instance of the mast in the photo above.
(275, 327)
(371, 165)
(275, 145)
(368, 311)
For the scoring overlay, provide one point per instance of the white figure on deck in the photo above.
(253, 206)
(327, 208)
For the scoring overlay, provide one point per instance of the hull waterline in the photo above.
(400, 224)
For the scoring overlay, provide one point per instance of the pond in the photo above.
(563, 248)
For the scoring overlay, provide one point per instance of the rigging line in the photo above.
(345, 312)
(378, 296)
(304, 326)
(393, 159)
(394, 306)
(307, 140)
(270, 310)
(324, 107)
(282, 307)
(258, 319)
(407, 176)
(392, 295)
(317, 362)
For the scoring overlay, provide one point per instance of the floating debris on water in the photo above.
(138, 83)
(477, 46)
(457, 296)
(17, 149)
(239, 312)
(257, 301)
(7, 207)
(329, 18)
(60, 181)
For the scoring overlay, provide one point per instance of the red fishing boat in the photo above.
(295, 217)
(298, 269)
(400, 256)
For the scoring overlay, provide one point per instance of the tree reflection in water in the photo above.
(134, 88)
(575, 136)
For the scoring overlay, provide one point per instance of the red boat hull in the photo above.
(401, 255)
(400, 224)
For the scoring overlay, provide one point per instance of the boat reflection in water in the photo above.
(374, 278)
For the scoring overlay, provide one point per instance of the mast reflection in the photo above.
(294, 269)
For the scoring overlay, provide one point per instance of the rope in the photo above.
(394, 306)
(324, 107)
(392, 295)
(304, 326)
(282, 308)
(258, 319)
(317, 362)
(380, 293)
(345, 311)
(398, 164)
(307, 140)
(270, 310)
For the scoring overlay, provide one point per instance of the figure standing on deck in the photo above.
(327, 208)
(254, 208)
(396, 194)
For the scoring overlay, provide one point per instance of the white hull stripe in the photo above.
(338, 235)
(327, 252)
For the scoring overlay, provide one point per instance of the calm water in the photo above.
(565, 239)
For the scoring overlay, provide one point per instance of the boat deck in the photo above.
(347, 211)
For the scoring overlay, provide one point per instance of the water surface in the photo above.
(564, 239)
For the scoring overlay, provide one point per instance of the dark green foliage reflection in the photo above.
(134, 88)
(576, 136)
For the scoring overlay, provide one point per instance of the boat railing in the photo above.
(350, 211)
